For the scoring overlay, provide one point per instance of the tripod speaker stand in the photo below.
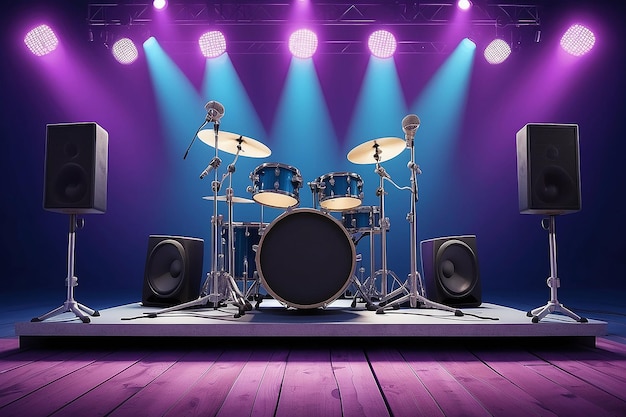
(70, 304)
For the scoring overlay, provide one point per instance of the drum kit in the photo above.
(270, 255)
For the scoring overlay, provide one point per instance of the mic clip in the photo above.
(214, 164)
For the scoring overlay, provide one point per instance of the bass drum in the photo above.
(305, 259)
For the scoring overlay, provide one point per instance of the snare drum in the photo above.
(245, 237)
(305, 259)
(276, 185)
(338, 191)
(362, 219)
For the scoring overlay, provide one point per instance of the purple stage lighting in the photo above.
(497, 51)
(577, 40)
(159, 4)
(41, 40)
(212, 44)
(125, 51)
(382, 44)
(464, 4)
(303, 43)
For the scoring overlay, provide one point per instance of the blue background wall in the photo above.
(311, 114)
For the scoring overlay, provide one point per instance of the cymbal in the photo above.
(383, 148)
(229, 142)
(223, 198)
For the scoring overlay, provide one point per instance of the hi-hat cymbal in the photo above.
(229, 142)
(377, 150)
(223, 198)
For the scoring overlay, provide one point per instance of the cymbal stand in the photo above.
(553, 281)
(384, 272)
(71, 281)
(415, 293)
(214, 297)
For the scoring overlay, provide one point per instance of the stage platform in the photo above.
(338, 320)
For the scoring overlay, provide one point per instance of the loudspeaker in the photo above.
(548, 169)
(173, 270)
(451, 274)
(76, 165)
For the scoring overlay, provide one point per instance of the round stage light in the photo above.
(464, 4)
(125, 51)
(577, 40)
(382, 44)
(303, 43)
(497, 51)
(41, 40)
(212, 44)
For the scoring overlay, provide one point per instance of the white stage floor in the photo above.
(338, 320)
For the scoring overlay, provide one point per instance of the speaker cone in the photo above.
(166, 267)
(456, 268)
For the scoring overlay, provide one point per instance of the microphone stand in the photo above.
(414, 294)
(215, 297)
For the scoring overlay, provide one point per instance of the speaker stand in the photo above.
(553, 306)
(70, 304)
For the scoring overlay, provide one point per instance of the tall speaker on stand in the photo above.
(548, 178)
(75, 182)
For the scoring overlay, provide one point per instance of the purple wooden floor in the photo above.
(309, 379)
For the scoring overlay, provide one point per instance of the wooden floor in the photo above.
(283, 377)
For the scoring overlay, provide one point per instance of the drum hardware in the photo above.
(232, 144)
(375, 151)
(360, 288)
(415, 292)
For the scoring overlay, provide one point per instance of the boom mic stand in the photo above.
(414, 295)
(214, 297)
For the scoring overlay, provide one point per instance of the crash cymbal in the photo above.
(228, 142)
(223, 198)
(377, 150)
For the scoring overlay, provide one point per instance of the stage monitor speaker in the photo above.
(173, 271)
(548, 169)
(76, 165)
(451, 273)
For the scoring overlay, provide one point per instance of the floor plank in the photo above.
(404, 392)
(73, 384)
(360, 394)
(517, 365)
(107, 396)
(206, 396)
(165, 390)
(246, 396)
(309, 387)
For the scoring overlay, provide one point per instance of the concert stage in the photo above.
(338, 320)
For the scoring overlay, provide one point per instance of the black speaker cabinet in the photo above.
(451, 274)
(76, 165)
(173, 271)
(548, 169)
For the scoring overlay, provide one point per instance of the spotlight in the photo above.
(159, 4)
(577, 40)
(212, 44)
(125, 51)
(464, 4)
(41, 40)
(382, 44)
(497, 51)
(303, 43)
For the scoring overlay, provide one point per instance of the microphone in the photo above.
(215, 162)
(214, 110)
(410, 123)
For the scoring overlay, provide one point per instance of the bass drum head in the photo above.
(305, 259)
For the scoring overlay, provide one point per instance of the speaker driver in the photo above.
(457, 268)
(166, 267)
